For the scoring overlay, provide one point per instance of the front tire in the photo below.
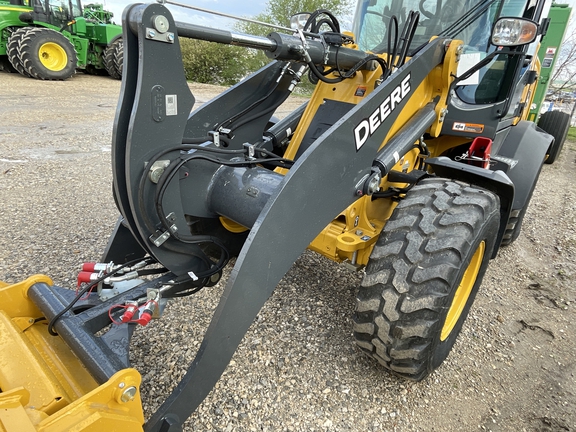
(423, 275)
(48, 55)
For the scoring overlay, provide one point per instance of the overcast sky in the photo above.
(248, 8)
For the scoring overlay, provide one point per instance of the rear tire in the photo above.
(423, 275)
(111, 57)
(557, 124)
(13, 50)
(48, 55)
(119, 57)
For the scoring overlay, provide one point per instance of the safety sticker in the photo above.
(549, 57)
(468, 127)
(171, 105)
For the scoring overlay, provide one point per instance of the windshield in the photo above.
(468, 20)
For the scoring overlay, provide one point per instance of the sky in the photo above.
(248, 8)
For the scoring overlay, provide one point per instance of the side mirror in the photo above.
(298, 21)
(510, 32)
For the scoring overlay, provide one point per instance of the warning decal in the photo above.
(549, 57)
(468, 127)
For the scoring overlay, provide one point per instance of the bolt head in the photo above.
(129, 394)
(155, 174)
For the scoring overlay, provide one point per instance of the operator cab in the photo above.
(56, 12)
(487, 99)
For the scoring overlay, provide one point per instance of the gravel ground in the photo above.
(512, 369)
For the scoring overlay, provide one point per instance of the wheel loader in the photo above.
(411, 163)
(49, 39)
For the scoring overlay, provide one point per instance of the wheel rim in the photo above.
(52, 56)
(463, 292)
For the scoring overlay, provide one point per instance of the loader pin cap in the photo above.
(160, 23)
(128, 394)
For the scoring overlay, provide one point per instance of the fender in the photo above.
(494, 181)
(521, 156)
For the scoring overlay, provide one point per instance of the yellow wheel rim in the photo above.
(52, 56)
(463, 292)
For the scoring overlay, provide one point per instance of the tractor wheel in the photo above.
(110, 56)
(423, 275)
(119, 57)
(557, 124)
(13, 48)
(48, 55)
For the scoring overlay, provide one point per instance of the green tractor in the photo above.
(50, 39)
(556, 123)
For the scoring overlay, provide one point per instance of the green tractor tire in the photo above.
(48, 55)
(423, 275)
(119, 57)
(114, 58)
(13, 50)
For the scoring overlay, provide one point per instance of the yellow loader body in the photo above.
(44, 387)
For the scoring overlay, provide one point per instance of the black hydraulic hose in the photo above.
(188, 144)
(392, 49)
(154, 271)
(407, 37)
(351, 72)
(250, 107)
(271, 109)
(314, 27)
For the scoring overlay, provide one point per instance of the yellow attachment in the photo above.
(52, 56)
(232, 226)
(463, 292)
(43, 385)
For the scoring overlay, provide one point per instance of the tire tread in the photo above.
(408, 277)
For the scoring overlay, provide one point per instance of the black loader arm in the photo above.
(153, 124)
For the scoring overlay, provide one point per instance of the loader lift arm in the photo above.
(321, 182)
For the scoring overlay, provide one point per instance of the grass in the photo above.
(572, 133)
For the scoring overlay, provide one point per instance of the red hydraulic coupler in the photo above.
(87, 277)
(131, 308)
(147, 313)
(94, 267)
(150, 306)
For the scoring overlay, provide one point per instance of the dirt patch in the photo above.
(512, 369)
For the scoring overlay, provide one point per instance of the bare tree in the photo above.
(563, 78)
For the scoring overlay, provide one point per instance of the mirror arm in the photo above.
(483, 63)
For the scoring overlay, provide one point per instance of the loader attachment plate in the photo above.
(44, 387)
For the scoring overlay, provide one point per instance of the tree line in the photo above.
(213, 63)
